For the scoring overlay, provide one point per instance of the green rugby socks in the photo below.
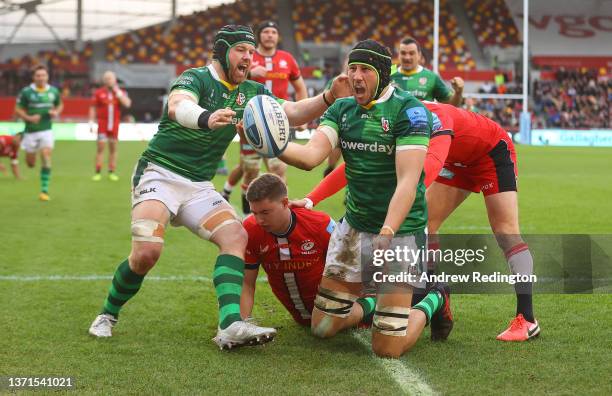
(430, 304)
(227, 278)
(45, 178)
(124, 286)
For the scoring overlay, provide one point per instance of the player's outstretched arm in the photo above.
(308, 109)
(329, 186)
(309, 155)
(183, 109)
(439, 144)
(247, 296)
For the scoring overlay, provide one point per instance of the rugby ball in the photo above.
(266, 127)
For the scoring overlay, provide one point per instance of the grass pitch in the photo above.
(57, 258)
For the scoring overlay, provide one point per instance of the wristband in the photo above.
(203, 119)
(325, 99)
(388, 228)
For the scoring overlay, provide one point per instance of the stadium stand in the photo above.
(492, 22)
(573, 99)
(321, 21)
(188, 41)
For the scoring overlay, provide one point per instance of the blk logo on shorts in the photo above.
(148, 190)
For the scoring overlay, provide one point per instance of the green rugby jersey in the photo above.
(195, 153)
(368, 137)
(38, 101)
(422, 84)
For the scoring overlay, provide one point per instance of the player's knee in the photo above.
(143, 259)
(391, 320)
(332, 308)
(322, 326)
(386, 350)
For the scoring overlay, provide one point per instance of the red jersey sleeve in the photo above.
(329, 186)
(294, 72)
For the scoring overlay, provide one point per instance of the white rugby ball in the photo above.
(266, 126)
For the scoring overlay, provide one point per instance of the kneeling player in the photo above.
(291, 246)
(471, 153)
(383, 133)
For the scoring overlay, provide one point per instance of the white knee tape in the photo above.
(145, 230)
(334, 303)
(391, 321)
(215, 222)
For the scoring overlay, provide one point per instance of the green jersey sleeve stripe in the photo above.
(187, 92)
(413, 141)
(330, 124)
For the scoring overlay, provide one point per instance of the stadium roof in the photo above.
(25, 20)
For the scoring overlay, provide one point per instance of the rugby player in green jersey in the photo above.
(172, 181)
(384, 134)
(37, 104)
(420, 82)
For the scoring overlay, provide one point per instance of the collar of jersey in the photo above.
(214, 74)
(291, 227)
(417, 70)
(382, 99)
(35, 88)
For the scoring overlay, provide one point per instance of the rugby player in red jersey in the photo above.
(9, 147)
(106, 106)
(290, 245)
(469, 153)
(275, 69)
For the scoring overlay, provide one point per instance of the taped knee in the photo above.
(251, 162)
(145, 230)
(391, 320)
(216, 221)
(334, 303)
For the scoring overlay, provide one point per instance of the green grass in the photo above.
(162, 344)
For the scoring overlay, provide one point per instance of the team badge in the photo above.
(282, 63)
(307, 245)
(385, 124)
(423, 80)
(240, 99)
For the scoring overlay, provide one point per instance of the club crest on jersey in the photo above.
(307, 245)
(385, 124)
(423, 80)
(240, 99)
(282, 63)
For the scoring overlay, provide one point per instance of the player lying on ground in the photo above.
(9, 147)
(172, 180)
(276, 69)
(384, 134)
(37, 105)
(470, 153)
(290, 245)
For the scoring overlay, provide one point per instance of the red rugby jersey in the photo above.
(294, 261)
(108, 109)
(474, 135)
(280, 69)
(7, 149)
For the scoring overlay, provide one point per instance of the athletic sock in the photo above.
(419, 294)
(430, 304)
(246, 208)
(368, 304)
(227, 188)
(227, 278)
(45, 178)
(520, 261)
(124, 286)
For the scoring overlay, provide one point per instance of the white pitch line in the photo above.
(409, 381)
(155, 278)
